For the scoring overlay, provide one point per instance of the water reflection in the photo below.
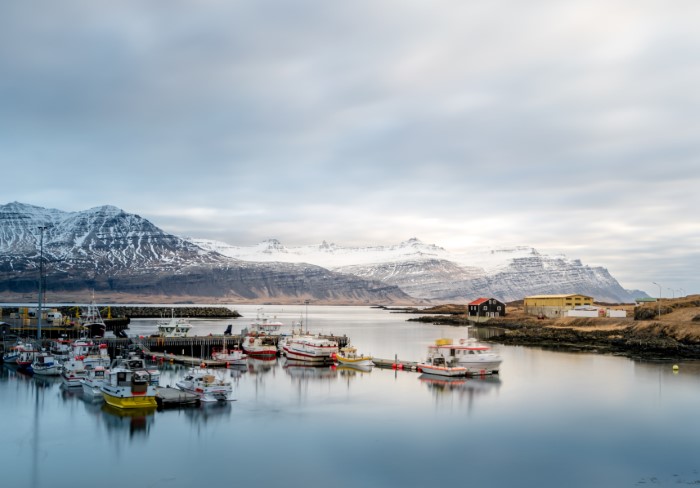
(463, 390)
(303, 370)
(136, 422)
(207, 413)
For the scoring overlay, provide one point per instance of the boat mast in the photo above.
(42, 228)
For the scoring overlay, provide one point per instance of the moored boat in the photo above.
(46, 364)
(93, 381)
(26, 357)
(174, 326)
(10, 356)
(209, 386)
(476, 357)
(128, 385)
(233, 356)
(260, 345)
(72, 372)
(312, 349)
(348, 355)
(437, 364)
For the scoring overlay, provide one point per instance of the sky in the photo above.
(566, 126)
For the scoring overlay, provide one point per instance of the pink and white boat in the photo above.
(311, 348)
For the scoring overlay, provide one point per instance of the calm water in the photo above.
(549, 419)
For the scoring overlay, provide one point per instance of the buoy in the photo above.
(675, 367)
(227, 364)
(203, 365)
(393, 366)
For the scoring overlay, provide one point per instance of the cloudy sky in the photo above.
(569, 126)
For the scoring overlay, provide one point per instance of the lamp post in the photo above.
(654, 282)
(306, 302)
(42, 228)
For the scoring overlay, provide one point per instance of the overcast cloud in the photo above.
(569, 126)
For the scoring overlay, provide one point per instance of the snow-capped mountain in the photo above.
(105, 248)
(431, 272)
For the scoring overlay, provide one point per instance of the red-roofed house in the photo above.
(486, 307)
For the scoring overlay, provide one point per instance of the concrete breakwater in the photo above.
(144, 312)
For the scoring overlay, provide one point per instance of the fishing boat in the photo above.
(60, 348)
(469, 353)
(437, 364)
(46, 364)
(128, 385)
(91, 321)
(72, 372)
(91, 354)
(26, 357)
(260, 345)
(233, 356)
(93, 381)
(312, 349)
(209, 386)
(348, 355)
(264, 324)
(173, 327)
(11, 355)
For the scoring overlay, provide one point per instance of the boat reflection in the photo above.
(448, 389)
(135, 421)
(306, 370)
(260, 366)
(353, 368)
(208, 413)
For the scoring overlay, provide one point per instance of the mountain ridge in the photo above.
(108, 250)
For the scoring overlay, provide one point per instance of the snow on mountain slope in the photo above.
(105, 248)
(431, 272)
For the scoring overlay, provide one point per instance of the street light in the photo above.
(42, 228)
(654, 282)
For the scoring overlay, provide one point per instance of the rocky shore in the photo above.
(671, 335)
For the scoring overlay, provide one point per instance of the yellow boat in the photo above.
(348, 355)
(128, 388)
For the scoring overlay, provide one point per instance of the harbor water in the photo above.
(549, 419)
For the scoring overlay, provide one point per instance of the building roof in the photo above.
(559, 296)
(478, 301)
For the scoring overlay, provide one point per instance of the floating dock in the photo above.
(395, 364)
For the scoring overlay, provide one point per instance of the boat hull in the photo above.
(443, 370)
(129, 401)
(361, 361)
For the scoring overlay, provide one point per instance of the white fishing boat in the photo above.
(348, 355)
(437, 364)
(312, 349)
(174, 326)
(128, 384)
(61, 348)
(90, 353)
(233, 356)
(72, 372)
(264, 324)
(93, 381)
(476, 357)
(45, 364)
(26, 356)
(207, 384)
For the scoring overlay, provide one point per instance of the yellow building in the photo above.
(553, 306)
